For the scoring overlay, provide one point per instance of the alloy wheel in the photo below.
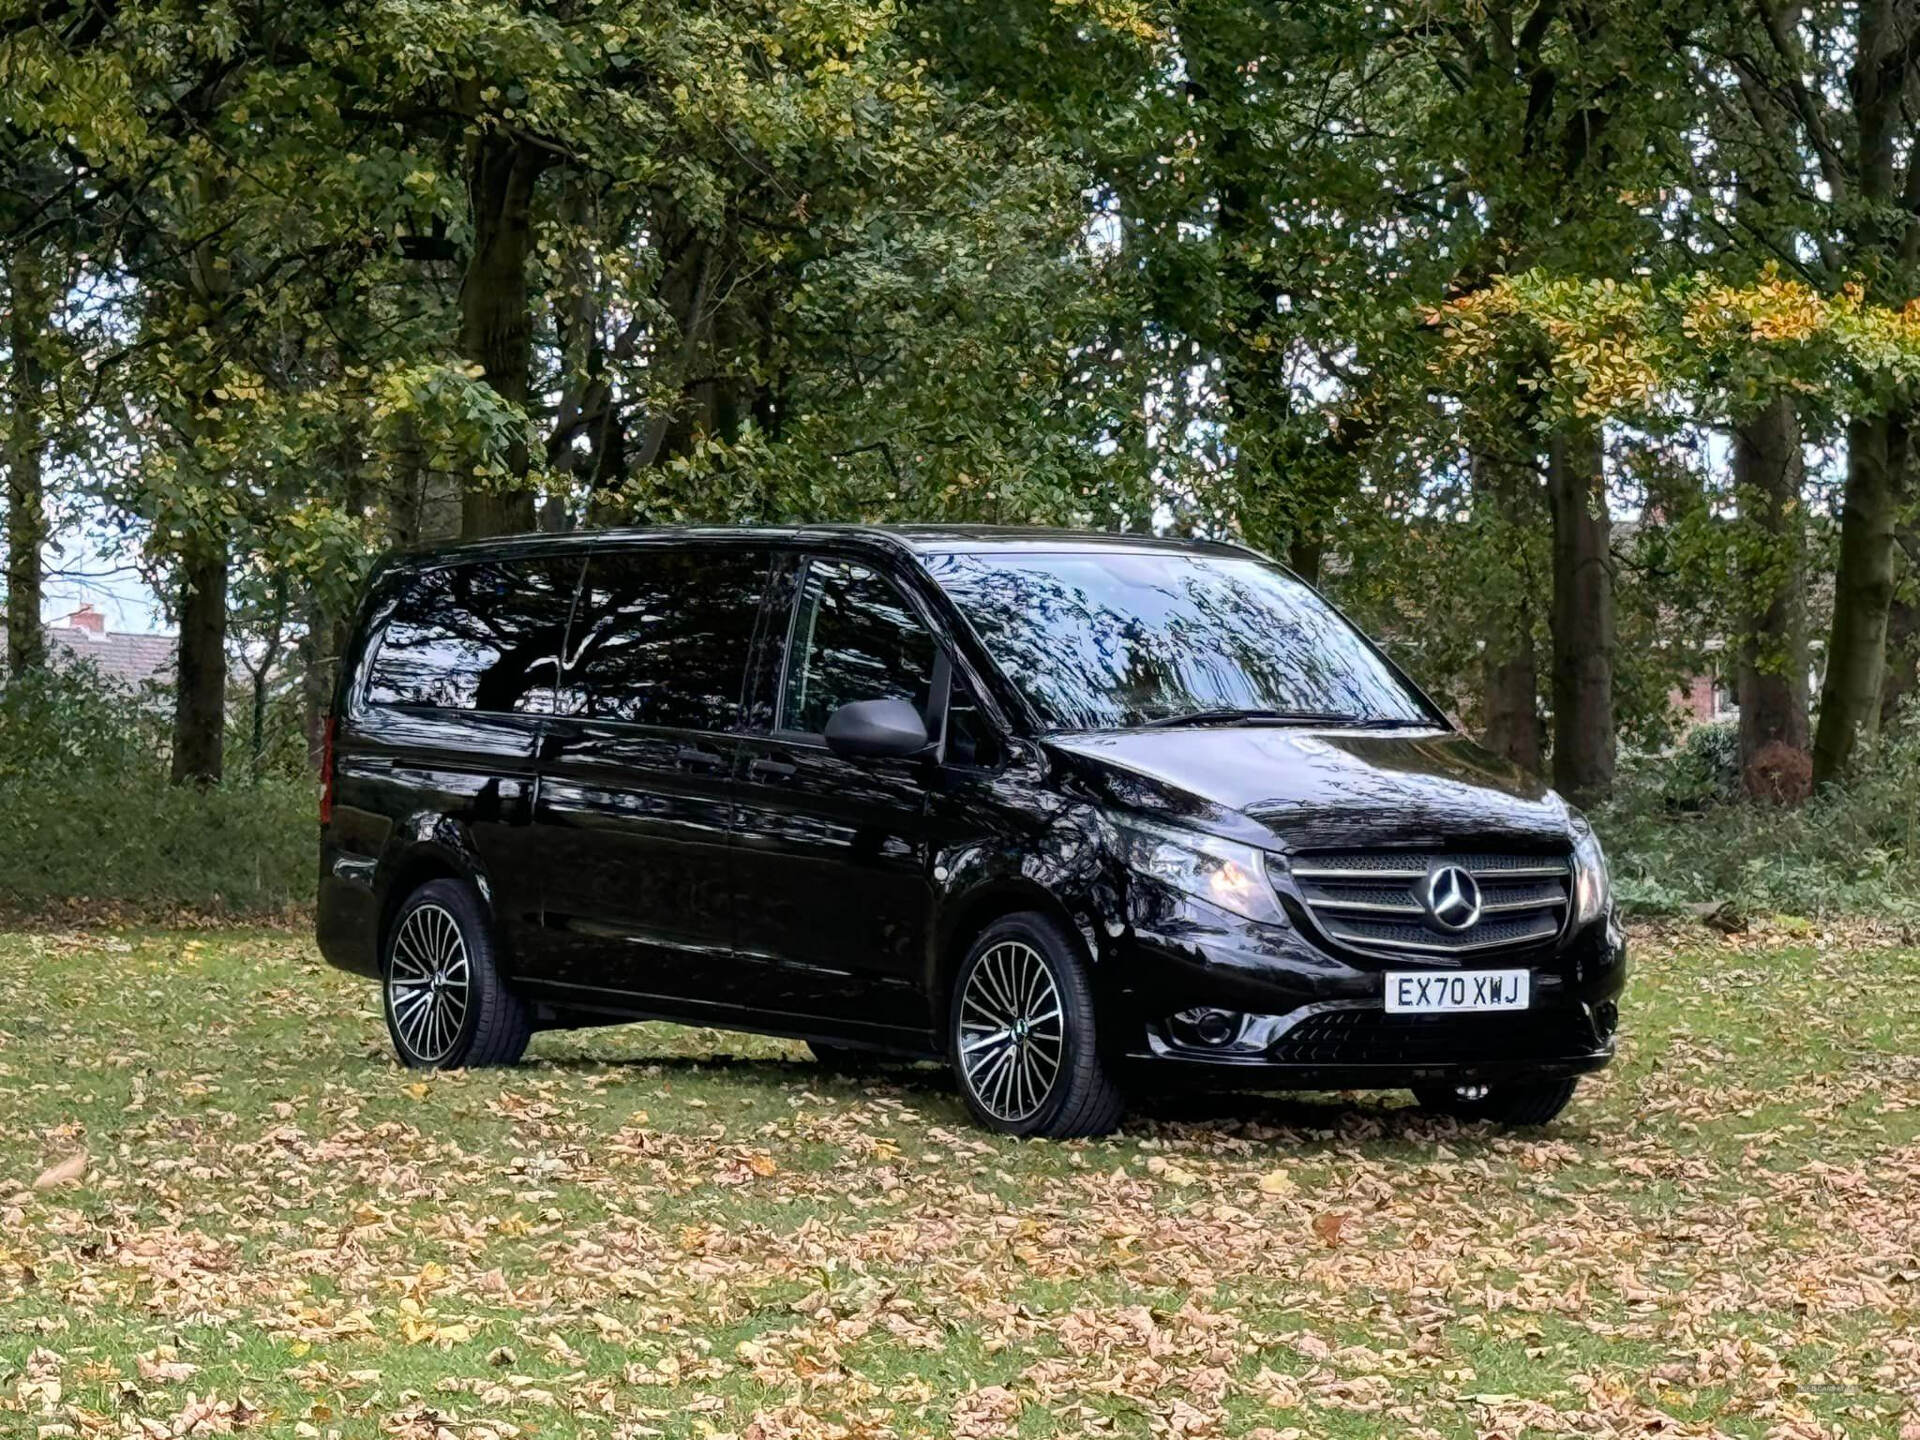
(429, 983)
(1012, 1031)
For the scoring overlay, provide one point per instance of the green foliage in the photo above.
(1704, 770)
(1676, 837)
(88, 817)
(1320, 276)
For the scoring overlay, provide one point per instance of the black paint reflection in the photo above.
(482, 637)
(1103, 640)
(662, 637)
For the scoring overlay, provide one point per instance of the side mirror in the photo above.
(877, 730)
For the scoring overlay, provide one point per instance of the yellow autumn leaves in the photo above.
(1598, 349)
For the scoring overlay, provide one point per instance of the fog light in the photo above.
(1606, 1019)
(1210, 1026)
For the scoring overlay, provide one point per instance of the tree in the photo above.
(1831, 160)
(29, 315)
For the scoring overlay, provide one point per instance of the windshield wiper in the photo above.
(1258, 717)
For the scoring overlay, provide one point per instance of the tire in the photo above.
(1007, 977)
(844, 1059)
(468, 1018)
(1514, 1102)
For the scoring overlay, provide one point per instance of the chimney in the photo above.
(87, 618)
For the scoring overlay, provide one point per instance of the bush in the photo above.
(1781, 774)
(1848, 850)
(88, 816)
(1704, 770)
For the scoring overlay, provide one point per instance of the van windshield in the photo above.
(1111, 639)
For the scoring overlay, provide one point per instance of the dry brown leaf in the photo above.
(65, 1172)
(1277, 1182)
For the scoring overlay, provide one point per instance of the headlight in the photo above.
(1221, 872)
(1592, 887)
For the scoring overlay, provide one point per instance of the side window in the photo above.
(662, 636)
(854, 637)
(482, 636)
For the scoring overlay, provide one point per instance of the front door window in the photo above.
(855, 637)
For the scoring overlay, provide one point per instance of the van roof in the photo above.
(917, 539)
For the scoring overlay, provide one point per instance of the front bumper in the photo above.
(1303, 1018)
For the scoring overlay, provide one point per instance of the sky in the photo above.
(89, 569)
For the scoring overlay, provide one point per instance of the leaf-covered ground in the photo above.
(222, 1208)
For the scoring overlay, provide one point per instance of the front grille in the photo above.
(1372, 900)
(1372, 1037)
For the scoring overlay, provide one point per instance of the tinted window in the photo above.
(476, 637)
(1105, 639)
(662, 636)
(854, 638)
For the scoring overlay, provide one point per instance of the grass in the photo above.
(651, 1231)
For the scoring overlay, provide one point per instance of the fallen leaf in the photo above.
(64, 1173)
(1328, 1226)
(1276, 1182)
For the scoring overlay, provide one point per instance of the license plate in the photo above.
(1428, 993)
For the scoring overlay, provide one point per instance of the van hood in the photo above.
(1320, 788)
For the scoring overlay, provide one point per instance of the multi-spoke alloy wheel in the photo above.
(1012, 1034)
(1022, 1033)
(430, 981)
(446, 1002)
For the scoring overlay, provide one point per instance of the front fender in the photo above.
(1060, 865)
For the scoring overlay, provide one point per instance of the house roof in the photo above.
(132, 659)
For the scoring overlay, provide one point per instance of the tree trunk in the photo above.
(1305, 554)
(1862, 592)
(27, 319)
(496, 322)
(1582, 618)
(258, 742)
(1771, 674)
(200, 690)
(1509, 668)
(316, 678)
(1511, 682)
(1903, 661)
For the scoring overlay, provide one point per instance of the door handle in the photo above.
(772, 770)
(694, 758)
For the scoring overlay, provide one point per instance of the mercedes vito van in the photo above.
(1072, 812)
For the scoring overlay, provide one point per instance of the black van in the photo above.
(1070, 811)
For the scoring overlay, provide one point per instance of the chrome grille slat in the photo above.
(1370, 900)
(1370, 907)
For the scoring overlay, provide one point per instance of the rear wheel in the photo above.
(1022, 1035)
(446, 1004)
(1532, 1101)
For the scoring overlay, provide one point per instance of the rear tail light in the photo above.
(326, 772)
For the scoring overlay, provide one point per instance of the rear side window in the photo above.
(662, 636)
(854, 637)
(483, 637)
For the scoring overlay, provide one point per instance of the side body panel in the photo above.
(635, 811)
(424, 782)
(832, 861)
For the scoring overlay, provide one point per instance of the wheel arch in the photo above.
(969, 917)
(422, 865)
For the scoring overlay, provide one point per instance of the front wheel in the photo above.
(446, 1004)
(1532, 1101)
(1022, 1036)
